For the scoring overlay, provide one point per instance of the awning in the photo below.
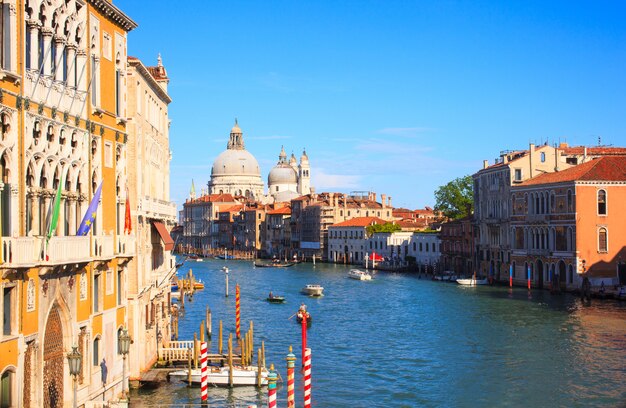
(165, 236)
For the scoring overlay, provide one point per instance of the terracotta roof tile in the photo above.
(282, 211)
(594, 150)
(359, 222)
(605, 168)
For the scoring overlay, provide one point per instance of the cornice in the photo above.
(116, 15)
(154, 85)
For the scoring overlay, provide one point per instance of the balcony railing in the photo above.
(21, 251)
(125, 246)
(160, 209)
(103, 247)
(67, 249)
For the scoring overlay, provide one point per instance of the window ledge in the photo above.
(11, 76)
(8, 337)
(120, 120)
(97, 111)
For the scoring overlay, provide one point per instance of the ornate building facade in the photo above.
(63, 136)
(153, 214)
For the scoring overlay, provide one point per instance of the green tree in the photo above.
(386, 227)
(456, 199)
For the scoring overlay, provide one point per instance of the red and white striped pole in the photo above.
(271, 387)
(307, 378)
(304, 325)
(291, 363)
(237, 312)
(204, 376)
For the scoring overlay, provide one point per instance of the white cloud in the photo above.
(324, 181)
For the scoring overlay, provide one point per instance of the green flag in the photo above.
(56, 207)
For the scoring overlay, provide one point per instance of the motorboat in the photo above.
(313, 290)
(472, 281)
(275, 298)
(359, 274)
(242, 375)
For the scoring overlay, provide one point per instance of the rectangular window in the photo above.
(7, 311)
(518, 174)
(119, 287)
(109, 289)
(96, 293)
(118, 93)
(96, 352)
(603, 244)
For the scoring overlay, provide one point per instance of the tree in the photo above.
(386, 227)
(455, 199)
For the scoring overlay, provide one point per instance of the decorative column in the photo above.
(47, 197)
(45, 49)
(71, 64)
(81, 66)
(35, 208)
(33, 32)
(71, 199)
(59, 42)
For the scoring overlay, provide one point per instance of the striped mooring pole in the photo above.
(204, 376)
(237, 312)
(511, 275)
(307, 378)
(271, 388)
(528, 273)
(291, 363)
(304, 323)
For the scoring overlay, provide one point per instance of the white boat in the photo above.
(359, 274)
(472, 281)
(312, 290)
(219, 375)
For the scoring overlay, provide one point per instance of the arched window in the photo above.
(7, 394)
(543, 157)
(601, 202)
(96, 351)
(603, 243)
(570, 201)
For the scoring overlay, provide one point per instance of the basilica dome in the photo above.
(235, 163)
(282, 174)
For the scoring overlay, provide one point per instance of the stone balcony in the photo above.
(125, 247)
(158, 209)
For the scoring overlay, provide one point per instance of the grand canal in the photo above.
(400, 341)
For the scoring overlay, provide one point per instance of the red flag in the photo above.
(127, 222)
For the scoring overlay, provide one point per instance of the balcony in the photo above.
(159, 209)
(22, 252)
(125, 247)
(103, 247)
(26, 252)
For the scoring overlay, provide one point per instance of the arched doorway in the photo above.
(539, 269)
(53, 355)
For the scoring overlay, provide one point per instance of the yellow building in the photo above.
(62, 111)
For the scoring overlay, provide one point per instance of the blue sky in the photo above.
(396, 97)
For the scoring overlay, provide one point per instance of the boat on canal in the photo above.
(473, 281)
(313, 290)
(359, 275)
(218, 376)
(272, 298)
(302, 313)
(274, 264)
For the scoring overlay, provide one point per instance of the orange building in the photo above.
(62, 108)
(570, 223)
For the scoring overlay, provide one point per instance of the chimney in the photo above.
(374, 197)
(389, 202)
(383, 198)
(531, 150)
(585, 154)
(485, 164)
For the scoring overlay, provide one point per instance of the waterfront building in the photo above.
(248, 225)
(457, 246)
(153, 214)
(64, 139)
(492, 187)
(425, 247)
(570, 224)
(288, 179)
(424, 216)
(200, 228)
(225, 236)
(312, 214)
(278, 232)
(347, 240)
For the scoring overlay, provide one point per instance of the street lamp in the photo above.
(124, 345)
(75, 361)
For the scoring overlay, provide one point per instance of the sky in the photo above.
(395, 97)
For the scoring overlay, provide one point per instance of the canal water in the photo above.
(401, 341)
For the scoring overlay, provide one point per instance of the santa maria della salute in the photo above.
(236, 172)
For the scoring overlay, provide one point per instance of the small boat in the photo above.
(275, 298)
(192, 257)
(313, 290)
(274, 264)
(359, 275)
(242, 375)
(472, 281)
(225, 257)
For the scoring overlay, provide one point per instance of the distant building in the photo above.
(426, 248)
(347, 240)
(457, 246)
(278, 232)
(200, 231)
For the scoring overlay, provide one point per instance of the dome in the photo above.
(282, 174)
(285, 196)
(235, 162)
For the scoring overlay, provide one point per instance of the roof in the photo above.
(212, 198)
(281, 211)
(594, 151)
(360, 222)
(605, 168)
(116, 15)
(232, 209)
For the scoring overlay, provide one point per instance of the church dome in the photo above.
(235, 163)
(282, 174)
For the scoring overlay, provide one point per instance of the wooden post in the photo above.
(189, 367)
(263, 351)
(242, 344)
(230, 360)
(219, 341)
(202, 332)
(209, 324)
(195, 350)
(250, 347)
(259, 370)
(182, 297)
